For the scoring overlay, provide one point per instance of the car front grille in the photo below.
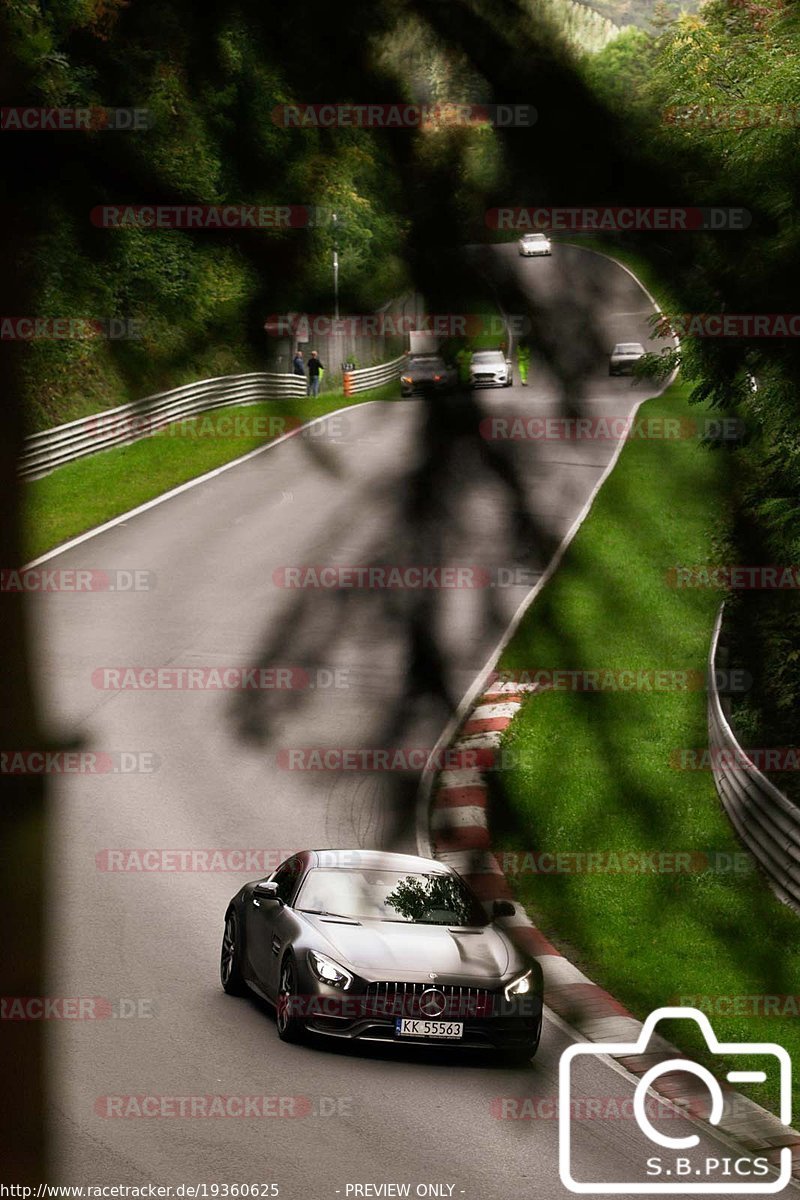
(403, 1000)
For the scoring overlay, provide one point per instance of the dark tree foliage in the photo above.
(212, 77)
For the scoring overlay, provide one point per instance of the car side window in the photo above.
(286, 878)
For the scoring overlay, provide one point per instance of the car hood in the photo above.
(395, 950)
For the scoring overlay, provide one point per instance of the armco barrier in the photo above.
(130, 422)
(370, 377)
(767, 821)
(120, 426)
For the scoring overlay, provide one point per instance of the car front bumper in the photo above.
(488, 381)
(494, 1023)
(478, 1035)
(420, 386)
(622, 368)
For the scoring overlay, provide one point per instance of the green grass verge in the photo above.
(84, 494)
(593, 771)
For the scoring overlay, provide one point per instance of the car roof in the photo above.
(628, 346)
(533, 235)
(375, 858)
(477, 353)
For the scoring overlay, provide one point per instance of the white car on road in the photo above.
(490, 368)
(534, 245)
(624, 356)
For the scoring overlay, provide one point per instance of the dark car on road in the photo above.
(368, 946)
(427, 373)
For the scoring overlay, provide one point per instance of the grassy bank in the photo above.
(84, 494)
(596, 771)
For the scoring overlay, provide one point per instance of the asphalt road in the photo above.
(381, 485)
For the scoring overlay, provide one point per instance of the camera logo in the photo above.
(673, 1170)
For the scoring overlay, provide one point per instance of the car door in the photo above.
(266, 924)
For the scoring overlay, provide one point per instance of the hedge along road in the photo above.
(208, 769)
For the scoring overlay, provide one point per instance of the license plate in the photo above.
(429, 1029)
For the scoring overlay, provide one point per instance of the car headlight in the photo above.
(328, 971)
(519, 986)
(406, 379)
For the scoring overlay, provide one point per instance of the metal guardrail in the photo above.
(766, 821)
(370, 377)
(45, 451)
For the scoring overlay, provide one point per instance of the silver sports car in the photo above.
(379, 947)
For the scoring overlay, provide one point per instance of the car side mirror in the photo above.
(265, 889)
(502, 908)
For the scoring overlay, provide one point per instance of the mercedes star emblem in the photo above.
(432, 1002)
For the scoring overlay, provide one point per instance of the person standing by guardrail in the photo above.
(298, 365)
(315, 371)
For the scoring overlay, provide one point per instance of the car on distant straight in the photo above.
(490, 368)
(427, 373)
(534, 245)
(624, 356)
(369, 946)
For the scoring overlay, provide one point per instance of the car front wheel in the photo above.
(290, 1028)
(230, 959)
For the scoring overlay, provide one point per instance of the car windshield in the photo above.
(427, 361)
(370, 893)
(534, 237)
(488, 356)
(629, 348)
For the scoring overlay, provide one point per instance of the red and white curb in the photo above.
(459, 835)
